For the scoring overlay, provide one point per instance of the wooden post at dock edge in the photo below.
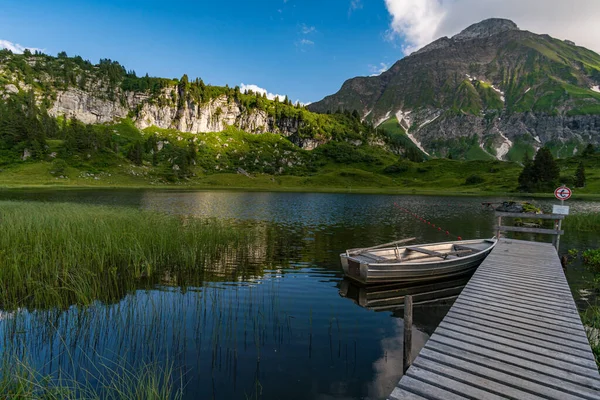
(408, 321)
(562, 203)
(499, 225)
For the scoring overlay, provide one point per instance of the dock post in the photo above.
(562, 203)
(408, 321)
(499, 225)
(558, 236)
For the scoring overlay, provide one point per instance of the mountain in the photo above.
(104, 93)
(64, 120)
(492, 90)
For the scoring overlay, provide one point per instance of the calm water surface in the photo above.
(267, 322)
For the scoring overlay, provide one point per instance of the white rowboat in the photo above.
(415, 263)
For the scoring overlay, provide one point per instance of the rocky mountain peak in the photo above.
(480, 30)
(492, 80)
(486, 28)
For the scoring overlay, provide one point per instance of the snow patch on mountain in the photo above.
(504, 147)
(382, 120)
(500, 92)
(483, 148)
(416, 142)
(427, 122)
(404, 119)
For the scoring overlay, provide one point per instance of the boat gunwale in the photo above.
(392, 262)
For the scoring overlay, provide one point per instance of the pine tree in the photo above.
(413, 154)
(135, 153)
(527, 177)
(546, 170)
(541, 174)
(580, 176)
(589, 150)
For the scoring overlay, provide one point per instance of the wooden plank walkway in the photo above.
(513, 333)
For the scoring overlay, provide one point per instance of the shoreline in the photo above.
(291, 189)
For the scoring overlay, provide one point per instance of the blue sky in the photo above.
(303, 48)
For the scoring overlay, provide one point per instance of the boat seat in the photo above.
(425, 251)
(374, 257)
(461, 247)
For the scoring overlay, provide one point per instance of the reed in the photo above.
(591, 320)
(63, 254)
(582, 222)
(18, 380)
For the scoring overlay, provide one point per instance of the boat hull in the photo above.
(362, 270)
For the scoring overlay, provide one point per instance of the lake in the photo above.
(267, 321)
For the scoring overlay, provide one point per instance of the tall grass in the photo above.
(591, 320)
(590, 317)
(582, 222)
(18, 380)
(63, 254)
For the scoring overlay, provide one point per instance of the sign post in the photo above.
(562, 193)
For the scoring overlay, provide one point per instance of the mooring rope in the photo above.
(427, 222)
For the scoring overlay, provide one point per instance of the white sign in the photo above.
(563, 193)
(563, 210)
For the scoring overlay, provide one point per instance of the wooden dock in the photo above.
(513, 333)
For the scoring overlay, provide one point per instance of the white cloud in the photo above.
(305, 29)
(354, 5)
(415, 20)
(377, 70)
(270, 96)
(17, 48)
(306, 42)
(258, 89)
(419, 22)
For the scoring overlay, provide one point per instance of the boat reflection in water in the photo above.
(390, 297)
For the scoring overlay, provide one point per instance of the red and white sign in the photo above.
(563, 193)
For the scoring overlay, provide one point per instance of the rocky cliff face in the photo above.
(493, 81)
(87, 108)
(95, 101)
(213, 116)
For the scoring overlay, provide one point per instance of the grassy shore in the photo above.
(62, 254)
(435, 177)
